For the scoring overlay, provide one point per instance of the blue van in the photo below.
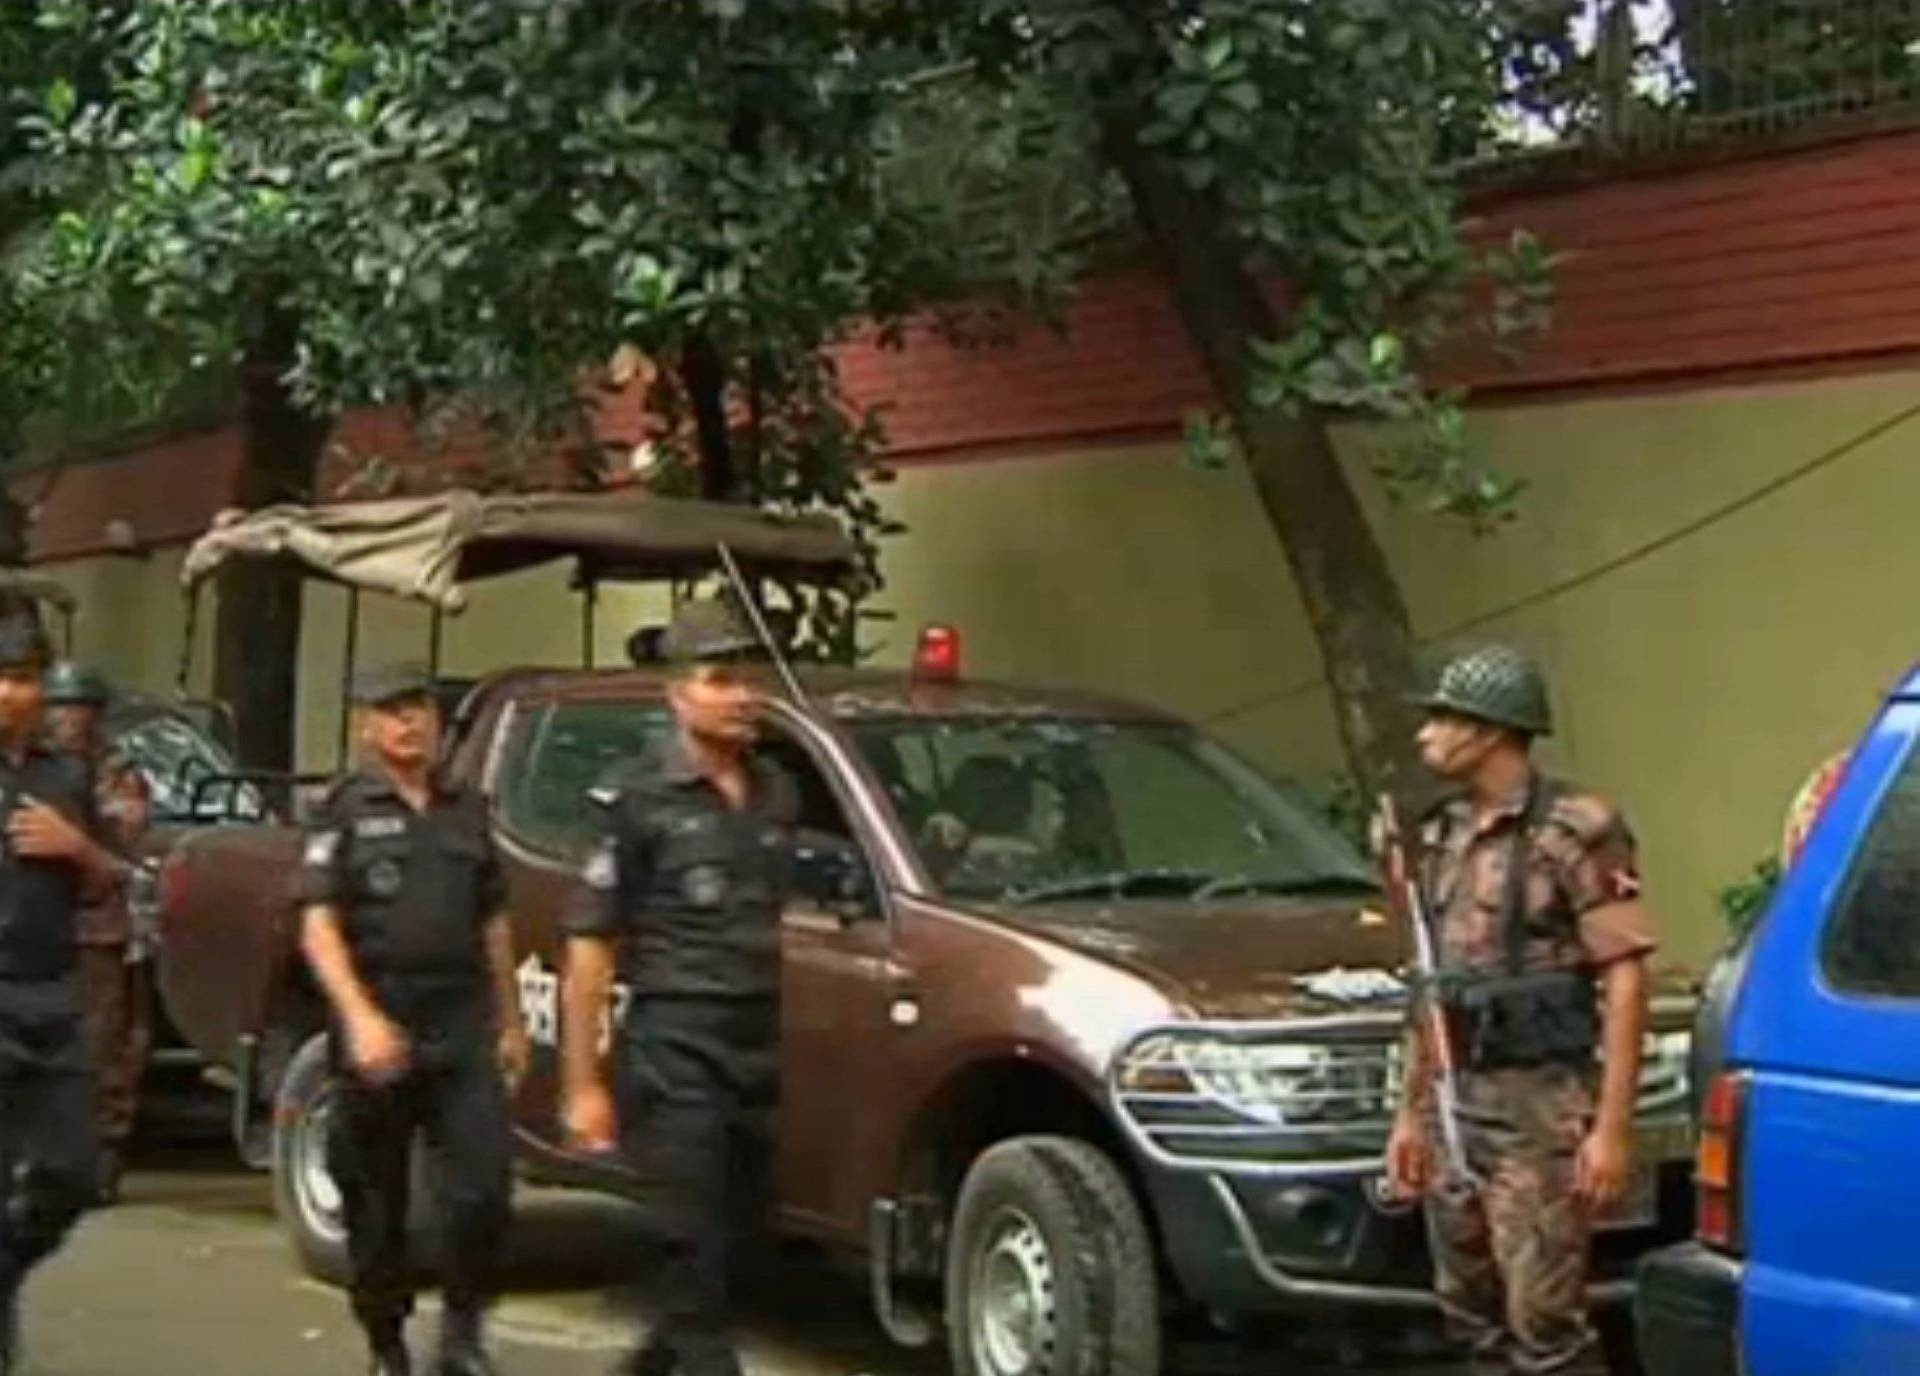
(1806, 1260)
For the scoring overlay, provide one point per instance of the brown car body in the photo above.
(921, 1031)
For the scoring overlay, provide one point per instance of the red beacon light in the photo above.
(937, 660)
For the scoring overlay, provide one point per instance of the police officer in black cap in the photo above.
(406, 931)
(690, 876)
(49, 860)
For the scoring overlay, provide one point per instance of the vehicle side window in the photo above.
(1873, 938)
(555, 754)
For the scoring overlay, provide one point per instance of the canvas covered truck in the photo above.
(1090, 1028)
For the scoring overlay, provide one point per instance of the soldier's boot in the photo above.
(389, 1358)
(387, 1353)
(9, 1326)
(106, 1192)
(708, 1355)
(463, 1349)
(655, 1357)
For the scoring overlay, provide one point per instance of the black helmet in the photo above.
(709, 630)
(74, 685)
(1492, 683)
(22, 643)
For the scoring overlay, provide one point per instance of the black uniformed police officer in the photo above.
(49, 860)
(691, 874)
(405, 930)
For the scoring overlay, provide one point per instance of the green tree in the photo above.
(1286, 164)
(470, 207)
(1792, 59)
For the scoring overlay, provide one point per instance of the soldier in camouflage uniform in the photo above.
(112, 968)
(1547, 1132)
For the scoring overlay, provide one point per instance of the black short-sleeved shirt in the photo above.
(40, 899)
(415, 890)
(692, 885)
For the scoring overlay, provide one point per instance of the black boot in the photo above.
(655, 1357)
(106, 1191)
(390, 1359)
(463, 1350)
(387, 1349)
(709, 1354)
(9, 1326)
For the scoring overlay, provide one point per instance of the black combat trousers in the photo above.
(453, 1097)
(49, 1149)
(699, 1085)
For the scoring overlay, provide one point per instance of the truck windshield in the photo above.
(1042, 810)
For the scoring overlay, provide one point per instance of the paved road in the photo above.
(189, 1276)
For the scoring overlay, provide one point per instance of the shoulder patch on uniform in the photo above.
(322, 846)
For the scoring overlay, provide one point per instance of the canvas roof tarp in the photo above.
(41, 589)
(427, 547)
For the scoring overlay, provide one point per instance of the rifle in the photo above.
(1457, 1179)
(750, 608)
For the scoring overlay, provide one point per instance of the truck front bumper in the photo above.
(1250, 1244)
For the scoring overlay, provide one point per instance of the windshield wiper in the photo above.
(1219, 886)
(1115, 884)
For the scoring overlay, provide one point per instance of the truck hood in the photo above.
(1270, 959)
(1265, 959)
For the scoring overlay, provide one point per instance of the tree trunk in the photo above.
(1352, 601)
(704, 373)
(257, 630)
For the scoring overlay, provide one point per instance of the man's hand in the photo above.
(1409, 1160)
(590, 1120)
(377, 1048)
(1601, 1169)
(514, 1053)
(39, 833)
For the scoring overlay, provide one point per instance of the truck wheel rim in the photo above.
(1013, 1299)
(313, 1182)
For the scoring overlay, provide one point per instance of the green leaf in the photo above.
(1243, 94)
(194, 167)
(60, 100)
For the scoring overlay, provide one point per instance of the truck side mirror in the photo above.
(832, 873)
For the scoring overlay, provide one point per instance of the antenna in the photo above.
(751, 607)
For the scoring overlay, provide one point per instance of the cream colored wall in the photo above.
(131, 621)
(532, 618)
(1698, 685)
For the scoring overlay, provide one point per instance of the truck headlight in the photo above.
(1274, 1083)
(1666, 1069)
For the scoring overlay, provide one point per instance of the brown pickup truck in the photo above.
(1091, 1029)
(1098, 1026)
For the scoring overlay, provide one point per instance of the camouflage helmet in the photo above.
(74, 685)
(1492, 683)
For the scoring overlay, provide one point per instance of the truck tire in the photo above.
(305, 1197)
(1050, 1271)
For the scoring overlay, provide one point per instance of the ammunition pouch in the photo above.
(1500, 1021)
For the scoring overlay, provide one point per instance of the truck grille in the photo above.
(1299, 1098)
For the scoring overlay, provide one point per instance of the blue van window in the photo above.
(1873, 941)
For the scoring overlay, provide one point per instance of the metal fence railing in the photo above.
(1612, 77)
